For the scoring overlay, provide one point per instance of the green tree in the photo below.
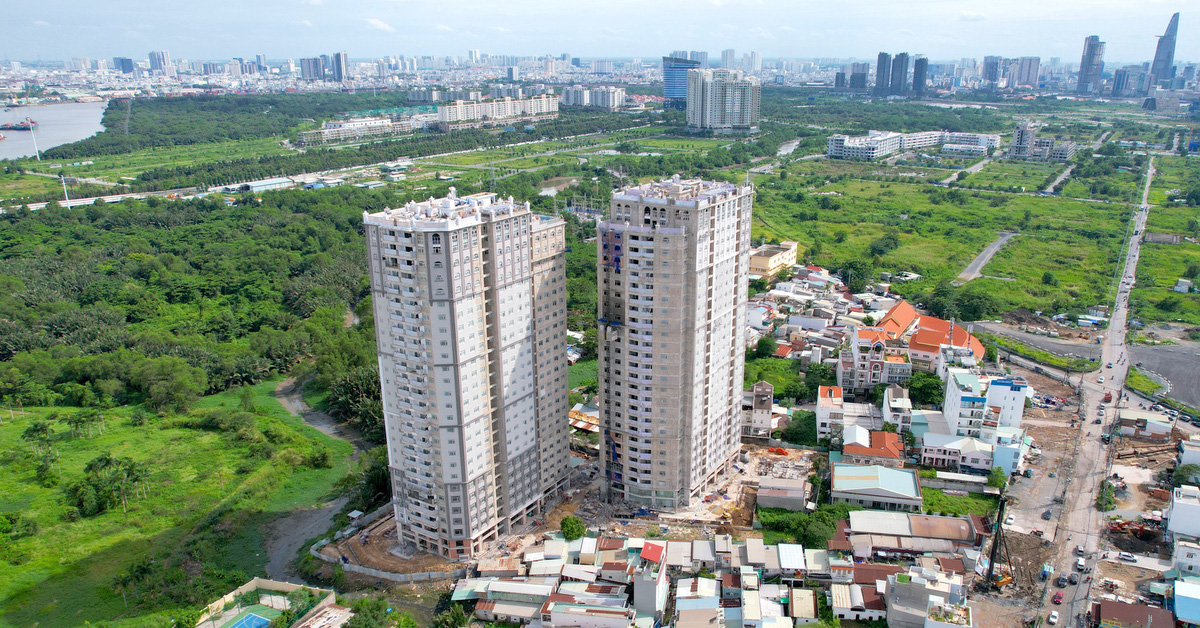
(1049, 279)
(169, 383)
(855, 273)
(1193, 271)
(926, 388)
(573, 528)
(998, 477)
(801, 429)
(766, 347)
(1185, 474)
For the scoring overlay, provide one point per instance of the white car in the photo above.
(1009, 520)
(1053, 618)
(1101, 380)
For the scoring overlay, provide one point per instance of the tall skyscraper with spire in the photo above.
(1091, 66)
(1164, 55)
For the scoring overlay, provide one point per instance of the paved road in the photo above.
(1065, 173)
(1080, 519)
(981, 260)
(976, 168)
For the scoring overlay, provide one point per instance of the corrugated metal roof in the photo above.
(520, 588)
(791, 557)
(879, 522)
(704, 550)
(679, 554)
(755, 553)
(856, 478)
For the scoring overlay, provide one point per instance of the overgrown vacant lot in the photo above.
(211, 477)
(1159, 266)
(936, 232)
(1004, 175)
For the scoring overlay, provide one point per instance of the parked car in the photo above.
(1061, 580)
(1080, 564)
(1052, 619)
(1101, 380)
(1058, 598)
(1074, 578)
(1009, 520)
(1109, 365)
(1046, 515)
(1079, 551)
(1127, 557)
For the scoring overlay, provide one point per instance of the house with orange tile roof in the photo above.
(901, 343)
(885, 449)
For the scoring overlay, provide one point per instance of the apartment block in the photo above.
(673, 271)
(470, 310)
(722, 101)
(473, 113)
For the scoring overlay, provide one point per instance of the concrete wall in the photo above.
(387, 575)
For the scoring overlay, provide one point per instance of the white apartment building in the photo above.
(466, 113)
(1183, 522)
(722, 101)
(673, 277)
(470, 310)
(880, 144)
(601, 97)
(354, 129)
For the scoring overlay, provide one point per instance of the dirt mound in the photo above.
(1023, 316)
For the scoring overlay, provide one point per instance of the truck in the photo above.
(1108, 397)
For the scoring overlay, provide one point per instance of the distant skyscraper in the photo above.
(899, 82)
(675, 78)
(671, 390)
(755, 61)
(858, 80)
(261, 62)
(839, 80)
(1028, 70)
(699, 55)
(341, 66)
(679, 54)
(312, 69)
(1164, 55)
(1091, 66)
(513, 73)
(920, 76)
(160, 63)
(722, 100)
(728, 60)
(123, 64)
(883, 73)
(991, 70)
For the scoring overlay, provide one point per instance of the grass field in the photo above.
(938, 502)
(112, 167)
(1159, 266)
(1140, 383)
(1002, 174)
(938, 231)
(63, 575)
(1173, 172)
(1035, 354)
(777, 372)
(582, 373)
(14, 186)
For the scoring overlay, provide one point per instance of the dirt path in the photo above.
(973, 269)
(286, 535)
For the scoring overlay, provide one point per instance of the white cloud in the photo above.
(41, 23)
(312, 2)
(375, 23)
(305, 23)
(442, 27)
(970, 16)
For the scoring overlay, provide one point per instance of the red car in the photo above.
(1058, 597)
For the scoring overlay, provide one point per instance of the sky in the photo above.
(281, 29)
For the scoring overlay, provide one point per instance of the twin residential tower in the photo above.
(470, 317)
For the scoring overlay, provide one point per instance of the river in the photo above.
(57, 124)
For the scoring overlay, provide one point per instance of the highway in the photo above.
(1081, 521)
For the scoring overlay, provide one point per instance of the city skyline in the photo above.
(296, 28)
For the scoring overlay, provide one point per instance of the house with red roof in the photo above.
(886, 450)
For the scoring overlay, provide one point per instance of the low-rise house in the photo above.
(908, 596)
(1189, 451)
(835, 415)
(897, 408)
(770, 259)
(789, 493)
(1143, 425)
(1114, 614)
(857, 602)
(1184, 518)
(1187, 602)
(802, 606)
(1185, 557)
(885, 449)
(876, 487)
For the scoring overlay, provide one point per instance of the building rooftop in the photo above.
(852, 477)
(448, 212)
(677, 191)
(883, 445)
(829, 396)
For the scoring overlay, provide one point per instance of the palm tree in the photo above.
(37, 434)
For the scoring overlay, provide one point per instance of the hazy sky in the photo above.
(941, 29)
